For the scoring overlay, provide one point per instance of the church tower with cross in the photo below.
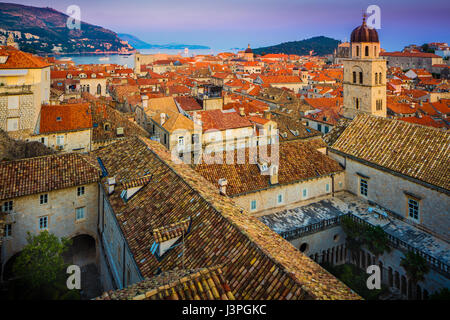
(364, 74)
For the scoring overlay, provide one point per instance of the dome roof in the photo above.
(364, 34)
(248, 50)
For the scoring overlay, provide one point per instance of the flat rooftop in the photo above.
(297, 218)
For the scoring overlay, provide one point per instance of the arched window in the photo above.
(379, 78)
(360, 77)
(367, 51)
(391, 278)
(376, 78)
(354, 76)
(357, 103)
(380, 264)
(403, 286)
(418, 293)
(357, 51)
(99, 89)
(88, 89)
(375, 51)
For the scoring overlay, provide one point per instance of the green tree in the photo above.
(41, 261)
(376, 240)
(416, 267)
(358, 235)
(443, 294)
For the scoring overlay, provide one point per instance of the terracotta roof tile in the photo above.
(21, 60)
(259, 263)
(68, 117)
(416, 151)
(42, 174)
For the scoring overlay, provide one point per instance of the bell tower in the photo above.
(364, 74)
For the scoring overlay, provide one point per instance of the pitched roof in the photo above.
(260, 264)
(298, 160)
(68, 117)
(199, 284)
(219, 120)
(43, 174)
(416, 151)
(188, 103)
(21, 60)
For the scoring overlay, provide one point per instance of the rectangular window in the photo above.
(8, 231)
(80, 191)
(43, 198)
(59, 140)
(326, 129)
(44, 140)
(280, 198)
(12, 124)
(180, 141)
(253, 205)
(305, 193)
(319, 127)
(327, 187)
(413, 209)
(7, 206)
(13, 102)
(43, 223)
(80, 213)
(363, 187)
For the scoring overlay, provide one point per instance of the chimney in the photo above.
(274, 174)
(241, 111)
(223, 186)
(163, 118)
(111, 183)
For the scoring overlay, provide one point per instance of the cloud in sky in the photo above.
(234, 23)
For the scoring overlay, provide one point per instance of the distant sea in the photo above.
(129, 60)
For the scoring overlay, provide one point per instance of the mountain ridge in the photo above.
(321, 45)
(50, 33)
(139, 44)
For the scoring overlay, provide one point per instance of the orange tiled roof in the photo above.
(259, 263)
(43, 174)
(69, 117)
(21, 60)
(416, 151)
(424, 120)
(198, 284)
(219, 120)
(298, 160)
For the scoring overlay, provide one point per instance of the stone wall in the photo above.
(391, 192)
(60, 210)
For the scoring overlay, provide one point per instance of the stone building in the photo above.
(24, 86)
(58, 193)
(412, 60)
(65, 128)
(258, 184)
(157, 216)
(364, 75)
